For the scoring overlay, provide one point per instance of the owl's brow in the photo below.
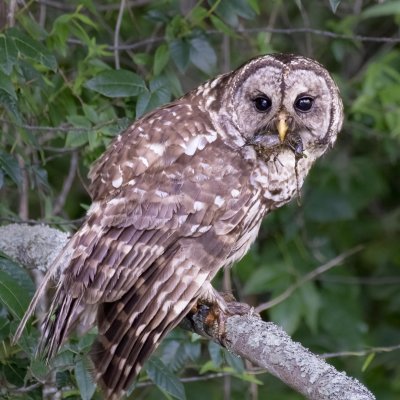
(251, 68)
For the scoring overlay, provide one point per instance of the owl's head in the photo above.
(283, 99)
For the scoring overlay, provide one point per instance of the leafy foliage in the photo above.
(73, 75)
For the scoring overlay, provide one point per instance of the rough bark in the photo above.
(267, 345)
(262, 343)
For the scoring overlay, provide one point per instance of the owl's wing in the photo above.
(164, 219)
(150, 145)
(150, 188)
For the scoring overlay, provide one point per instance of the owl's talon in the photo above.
(209, 317)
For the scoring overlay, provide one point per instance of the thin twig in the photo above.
(60, 201)
(283, 31)
(12, 8)
(100, 7)
(308, 277)
(24, 389)
(188, 379)
(60, 128)
(116, 33)
(306, 21)
(23, 209)
(271, 21)
(330, 34)
(360, 280)
(361, 353)
(42, 15)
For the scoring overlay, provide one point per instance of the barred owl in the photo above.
(181, 194)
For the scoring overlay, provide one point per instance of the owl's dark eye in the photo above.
(304, 104)
(262, 103)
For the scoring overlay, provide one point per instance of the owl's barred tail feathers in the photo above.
(132, 327)
(65, 310)
(58, 324)
(59, 261)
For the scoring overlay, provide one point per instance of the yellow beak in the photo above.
(282, 126)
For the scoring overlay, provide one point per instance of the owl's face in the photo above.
(285, 100)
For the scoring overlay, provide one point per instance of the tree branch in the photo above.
(267, 345)
(263, 343)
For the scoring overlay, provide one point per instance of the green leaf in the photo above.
(39, 369)
(117, 83)
(208, 366)
(334, 5)
(345, 323)
(90, 113)
(64, 360)
(142, 104)
(19, 274)
(4, 330)
(288, 313)
(234, 361)
(164, 379)
(312, 304)
(215, 351)
(84, 379)
(254, 5)
(10, 105)
(180, 53)
(10, 167)
(231, 10)
(192, 350)
(260, 278)
(222, 27)
(86, 341)
(386, 9)
(33, 49)
(157, 96)
(8, 54)
(141, 58)
(198, 14)
(250, 378)
(368, 361)
(202, 55)
(161, 58)
(13, 296)
(76, 139)
(85, 19)
(39, 179)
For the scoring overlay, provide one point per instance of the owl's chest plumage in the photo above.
(281, 177)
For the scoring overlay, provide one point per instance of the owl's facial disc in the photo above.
(285, 103)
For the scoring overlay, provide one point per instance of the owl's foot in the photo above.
(209, 315)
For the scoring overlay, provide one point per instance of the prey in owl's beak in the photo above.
(268, 139)
(287, 134)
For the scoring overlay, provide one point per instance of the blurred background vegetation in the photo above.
(74, 74)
